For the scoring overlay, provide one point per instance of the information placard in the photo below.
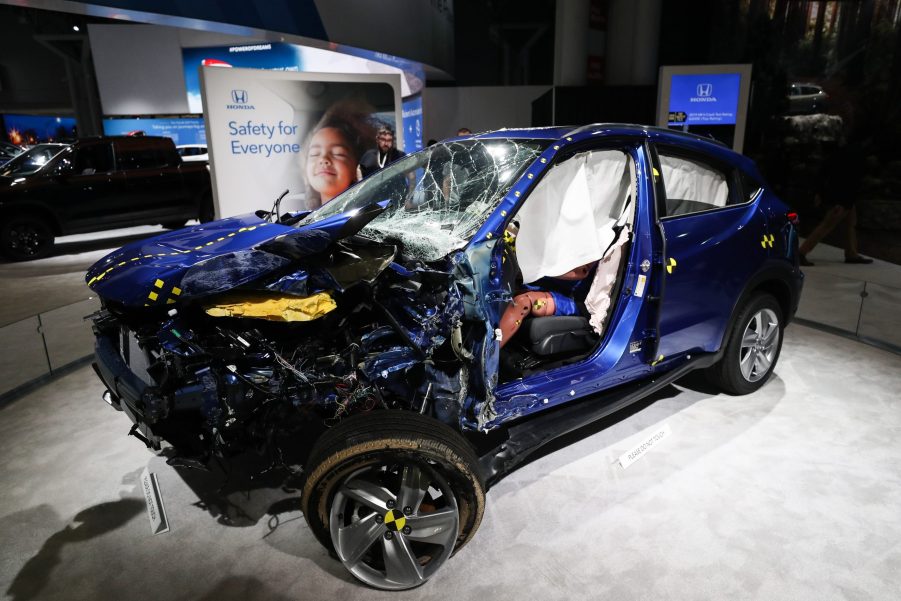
(704, 99)
(707, 100)
(271, 131)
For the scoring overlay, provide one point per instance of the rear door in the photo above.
(89, 187)
(154, 181)
(714, 242)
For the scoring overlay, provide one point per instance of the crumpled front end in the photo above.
(224, 360)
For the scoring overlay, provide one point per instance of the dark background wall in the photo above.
(32, 77)
(852, 48)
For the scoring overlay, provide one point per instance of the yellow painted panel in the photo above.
(281, 308)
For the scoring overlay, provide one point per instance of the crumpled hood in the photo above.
(207, 259)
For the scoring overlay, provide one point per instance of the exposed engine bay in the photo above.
(225, 373)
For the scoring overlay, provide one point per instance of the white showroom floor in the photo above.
(790, 493)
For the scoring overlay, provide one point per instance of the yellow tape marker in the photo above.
(670, 265)
(395, 520)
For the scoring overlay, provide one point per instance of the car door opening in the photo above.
(568, 240)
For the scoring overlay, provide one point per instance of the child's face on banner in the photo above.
(331, 166)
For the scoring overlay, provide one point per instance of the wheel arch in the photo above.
(775, 280)
(34, 210)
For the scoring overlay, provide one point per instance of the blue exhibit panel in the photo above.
(182, 130)
(269, 55)
(699, 99)
(412, 120)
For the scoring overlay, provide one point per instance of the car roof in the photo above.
(135, 139)
(567, 135)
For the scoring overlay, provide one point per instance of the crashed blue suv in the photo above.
(411, 342)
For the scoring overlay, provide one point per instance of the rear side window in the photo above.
(140, 157)
(749, 186)
(693, 185)
(95, 158)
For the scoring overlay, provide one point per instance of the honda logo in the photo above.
(240, 96)
(705, 89)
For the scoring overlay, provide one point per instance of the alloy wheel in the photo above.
(25, 239)
(759, 344)
(393, 526)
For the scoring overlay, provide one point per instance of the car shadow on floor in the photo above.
(588, 430)
(244, 491)
(250, 491)
(655, 410)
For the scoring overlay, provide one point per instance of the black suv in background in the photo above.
(97, 184)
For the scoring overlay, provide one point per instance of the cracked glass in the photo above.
(437, 198)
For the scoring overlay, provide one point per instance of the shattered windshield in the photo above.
(439, 197)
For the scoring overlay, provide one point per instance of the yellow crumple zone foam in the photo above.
(278, 308)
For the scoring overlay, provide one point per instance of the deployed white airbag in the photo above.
(600, 294)
(568, 219)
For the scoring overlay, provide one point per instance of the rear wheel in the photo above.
(755, 342)
(393, 495)
(24, 237)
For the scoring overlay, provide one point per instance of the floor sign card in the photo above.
(271, 131)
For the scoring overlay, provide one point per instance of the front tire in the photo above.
(25, 237)
(393, 495)
(755, 341)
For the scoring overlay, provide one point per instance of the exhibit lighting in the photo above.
(76, 28)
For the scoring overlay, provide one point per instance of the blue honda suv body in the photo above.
(364, 341)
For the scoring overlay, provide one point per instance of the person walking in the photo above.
(839, 188)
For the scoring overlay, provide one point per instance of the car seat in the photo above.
(557, 334)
